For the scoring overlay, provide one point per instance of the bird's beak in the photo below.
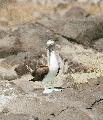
(49, 47)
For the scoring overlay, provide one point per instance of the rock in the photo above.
(98, 44)
(26, 38)
(20, 62)
(15, 66)
(8, 91)
(81, 30)
(17, 117)
(70, 104)
(3, 33)
(8, 74)
(76, 12)
(72, 114)
(28, 86)
(90, 1)
(98, 109)
(46, 2)
(4, 3)
(8, 47)
(83, 64)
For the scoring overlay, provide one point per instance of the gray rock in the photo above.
(26, 38)
(9, 46)
(17, 117)
(21, 60)
(98, 44)
(98, 109)
(26, 45)
(9, 89)
(3, 33)
(76, 12)
(46, 2)
(90, 1)
(81, 30)
(72, 114)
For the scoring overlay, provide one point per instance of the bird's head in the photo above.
(50, 45)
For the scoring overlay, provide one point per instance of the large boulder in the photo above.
(81, 29)
(25, 38)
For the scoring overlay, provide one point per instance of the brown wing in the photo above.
(40, 73)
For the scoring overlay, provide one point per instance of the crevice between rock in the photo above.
(94, 103)
(66, 37)
(63, 110)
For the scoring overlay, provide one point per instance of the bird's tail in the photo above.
(30, 70)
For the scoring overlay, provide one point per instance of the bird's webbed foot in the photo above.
(51, 90)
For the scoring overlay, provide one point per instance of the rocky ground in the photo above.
(77, 28)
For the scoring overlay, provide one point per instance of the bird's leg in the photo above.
(48, 83)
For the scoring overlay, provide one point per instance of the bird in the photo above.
(53, 65)
(47, 74)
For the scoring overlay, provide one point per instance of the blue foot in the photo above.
(50, 90)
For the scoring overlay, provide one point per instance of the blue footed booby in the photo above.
(53, 65)
(47, 73)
